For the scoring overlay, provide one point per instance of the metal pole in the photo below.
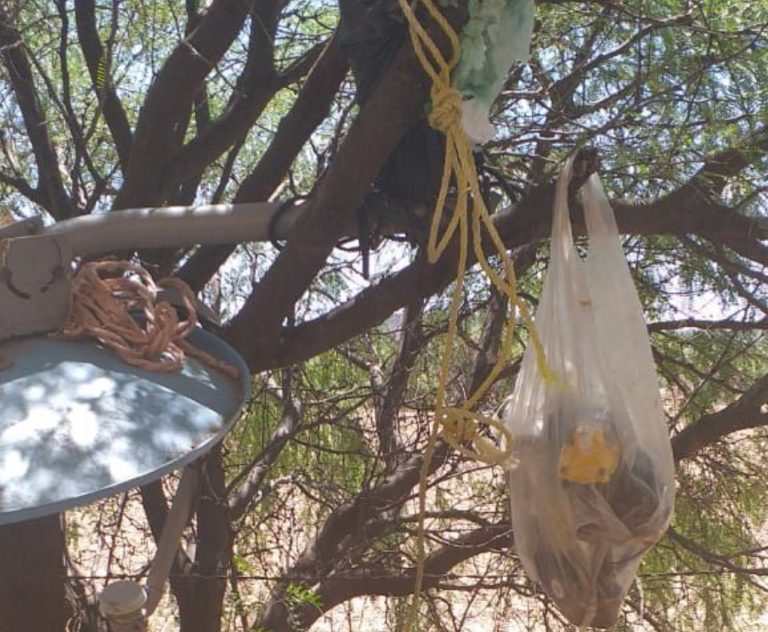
(172, 226)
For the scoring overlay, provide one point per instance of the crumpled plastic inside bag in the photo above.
(592, 507)
(592, 483)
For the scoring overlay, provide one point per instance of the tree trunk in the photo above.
(204, 611)
(32, 576)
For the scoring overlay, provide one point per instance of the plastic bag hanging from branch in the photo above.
(592, 484)
(497, 34)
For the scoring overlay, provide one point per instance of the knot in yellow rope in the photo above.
(461, 430)
(458, 426)
(446, 108)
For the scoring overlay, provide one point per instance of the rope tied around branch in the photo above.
(460, 426)
(106, 294)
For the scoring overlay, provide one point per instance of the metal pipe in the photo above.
(175, 522)
(30, 226)
(173, 226)
(125, 604)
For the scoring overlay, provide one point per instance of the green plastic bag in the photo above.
(497, 34)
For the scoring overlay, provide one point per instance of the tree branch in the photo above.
(13, 54)
(392, 110)
(490, 340)
(214, 550)
(723, 561)
(388, 403)
(310, 109)
(323, 553)
(562, 89)
(378, 580)
(710, 180)
(254, 89)
(23, 187)
(746, 412)
(345, 585)
(250, 480)
(111, 107)
(698, 323)
(529, 220)
(170, 98)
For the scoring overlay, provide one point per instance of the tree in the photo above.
(308, 505)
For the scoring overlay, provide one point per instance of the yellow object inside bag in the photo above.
(589, 457)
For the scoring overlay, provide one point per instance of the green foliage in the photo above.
(297, 595)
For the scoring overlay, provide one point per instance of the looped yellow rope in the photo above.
(461, 430)
(459, 426)
(103, 298)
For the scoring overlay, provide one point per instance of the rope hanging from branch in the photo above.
(460, 426)
(105, 297)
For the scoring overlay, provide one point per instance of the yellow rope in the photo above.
(459, 426)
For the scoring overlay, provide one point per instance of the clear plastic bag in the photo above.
(592, 482)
